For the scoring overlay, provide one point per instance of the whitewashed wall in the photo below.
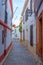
(17, 32)
(2, 11)
(1, 45)
(9, 21)
(2, 17)
(8, 38)
(26, 25)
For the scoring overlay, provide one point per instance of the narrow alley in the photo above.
(19, 55)
(21, 32)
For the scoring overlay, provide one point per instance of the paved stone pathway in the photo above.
(19, 55)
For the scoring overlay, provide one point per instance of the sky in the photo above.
(17, 9)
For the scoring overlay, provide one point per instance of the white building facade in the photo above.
(16, 33)
(6, 14)
(29, 24)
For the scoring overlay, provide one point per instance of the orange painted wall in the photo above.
(42, 35)
(39, 43)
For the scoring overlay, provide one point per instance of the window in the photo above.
(4, 33)
(6, 17)
(6, 11)
(3, 37)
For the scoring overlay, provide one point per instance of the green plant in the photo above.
(20, 28)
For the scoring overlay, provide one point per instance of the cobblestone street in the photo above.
(19, 55)
(21, 32)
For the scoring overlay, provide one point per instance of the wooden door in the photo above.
(40, 36)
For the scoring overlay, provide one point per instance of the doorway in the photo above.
(23, 34)
(26, 34)
(31, 35)
(40, 36)
(4, 39)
